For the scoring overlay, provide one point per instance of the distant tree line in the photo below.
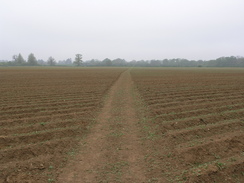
(18, 60)
(220, 62)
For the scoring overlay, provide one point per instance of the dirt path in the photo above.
(112, 151)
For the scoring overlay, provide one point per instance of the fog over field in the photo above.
(128, 29)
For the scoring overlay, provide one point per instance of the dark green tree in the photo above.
(78, 60)
(118, 62)
(107, 62)
(20, 60)
(32, 60)
(51, 61)
(15, 58)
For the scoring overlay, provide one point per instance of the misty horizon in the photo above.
(100, 60)
(130, 30)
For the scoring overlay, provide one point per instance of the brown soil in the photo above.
(93, 125)
(112, 152)
(44, 113)
(196, 117)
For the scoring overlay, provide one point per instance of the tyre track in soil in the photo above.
(112, 152)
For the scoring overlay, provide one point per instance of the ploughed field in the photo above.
(44, 113)
(195, 121)
(190, 121)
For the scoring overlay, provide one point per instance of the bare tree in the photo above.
(51, 61)
(78, 60)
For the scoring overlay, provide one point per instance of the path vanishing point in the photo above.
(112, 151)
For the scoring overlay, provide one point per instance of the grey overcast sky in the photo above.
(128, 29)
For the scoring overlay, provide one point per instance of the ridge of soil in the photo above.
(112, 152)
(44, 114)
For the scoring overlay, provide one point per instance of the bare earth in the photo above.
(137, 125)
(112, 152)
